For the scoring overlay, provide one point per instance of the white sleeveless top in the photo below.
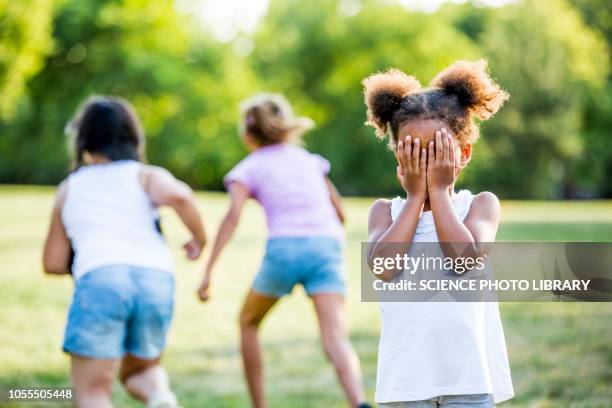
(110, 219)
(429, 349)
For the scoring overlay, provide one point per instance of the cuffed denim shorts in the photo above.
(313, 262)
(118, 310)
(447, 401)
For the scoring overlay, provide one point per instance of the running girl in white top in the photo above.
(436, 354)
(105, 214)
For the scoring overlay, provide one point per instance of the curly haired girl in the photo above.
(436, 354)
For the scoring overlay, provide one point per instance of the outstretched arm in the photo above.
(56, 253)
(238, 195)
(164, 189)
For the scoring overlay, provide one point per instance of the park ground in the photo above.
(560, 353)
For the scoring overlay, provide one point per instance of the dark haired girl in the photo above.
(436, 354)
(106, 210)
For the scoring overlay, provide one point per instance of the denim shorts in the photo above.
(118, 310)
(447, 401)
(314, 262)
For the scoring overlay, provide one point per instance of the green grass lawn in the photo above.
(560, 353)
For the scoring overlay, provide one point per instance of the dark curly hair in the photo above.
(455, 96)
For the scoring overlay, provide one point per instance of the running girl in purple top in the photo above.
(304, 215)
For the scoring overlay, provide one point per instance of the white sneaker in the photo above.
(163, 400)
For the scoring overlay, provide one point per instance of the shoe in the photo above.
(163, 400)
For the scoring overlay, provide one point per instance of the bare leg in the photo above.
(145, 379)
(255, 308)
(329, 308)
(93, 381)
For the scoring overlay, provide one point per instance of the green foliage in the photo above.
(550, 140)
(593, 169)
(145, 52)
(319, 58)
(547, 58)
(25, 40)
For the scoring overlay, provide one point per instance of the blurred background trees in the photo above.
(551, 140)
(25, 40)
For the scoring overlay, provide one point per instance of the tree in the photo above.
(551, 138)
(319, 56)
(547, 58)
(593, 168)
(25, 29)
(184, 86)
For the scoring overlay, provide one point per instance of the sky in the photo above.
(227, 19)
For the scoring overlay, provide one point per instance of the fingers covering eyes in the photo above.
(431, 159)
(423, 161)
(400, 152)
(445, 145)
(407, 151)
(451, 150)
(416, 150)
(439, 146)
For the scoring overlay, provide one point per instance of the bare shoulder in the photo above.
(486, 205)
(381, 206)
(62, 192)
(150, 173)
(380, 212)
(62, 188)
(486, 198)
(149, 170)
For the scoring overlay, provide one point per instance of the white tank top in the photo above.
(110, 219)
(429, 349)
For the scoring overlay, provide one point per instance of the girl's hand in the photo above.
(411, 171)
(441, 163)
(193, 249)
(204, 287)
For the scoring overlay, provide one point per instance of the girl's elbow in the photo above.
(53, 267)
(460, 248)
(387, 276)
(341, 217)
(181, 198)
(379, 272)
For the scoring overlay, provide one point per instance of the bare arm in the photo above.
(56, 252)
(385, 234)
(238, 195)
(480, 226)
(336, 200)
(165, 190)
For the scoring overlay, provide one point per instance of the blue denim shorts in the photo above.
(314, 262)
(118, 310)
(450, 401)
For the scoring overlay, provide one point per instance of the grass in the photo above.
(560, 353)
